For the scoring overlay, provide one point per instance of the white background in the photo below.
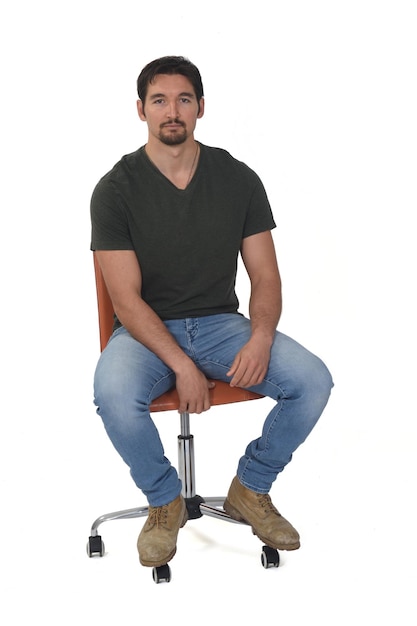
(319, 97)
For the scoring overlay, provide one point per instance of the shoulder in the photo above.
(123, 168)
(230, 165)
(120, 176)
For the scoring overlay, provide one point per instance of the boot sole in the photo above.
(234, 514)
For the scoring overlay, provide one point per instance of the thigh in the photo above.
(126, 367)
(291, 368)
(219, 339)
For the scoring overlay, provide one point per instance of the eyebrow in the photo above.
(187, 94)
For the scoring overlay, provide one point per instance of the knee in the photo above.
(107, 395)
(300, 372)
(324, 380)
(116, 396)
(317, 382)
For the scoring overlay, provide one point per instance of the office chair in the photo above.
(197, 506)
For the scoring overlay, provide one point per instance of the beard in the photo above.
(173, 138)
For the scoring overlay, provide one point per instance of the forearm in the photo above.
(265, 308)
(147, 328)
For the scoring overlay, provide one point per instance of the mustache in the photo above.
(173, 121)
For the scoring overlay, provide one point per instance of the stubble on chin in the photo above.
(173, 138)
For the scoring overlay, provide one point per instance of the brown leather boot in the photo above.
(157, 542)
(257, 510)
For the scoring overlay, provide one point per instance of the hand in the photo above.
(193, 390)
(250, 364)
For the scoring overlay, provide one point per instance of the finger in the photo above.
(238, 378)
(234, 366)
(255, 379)
(249, 377)
(196, 406)
(183, 407)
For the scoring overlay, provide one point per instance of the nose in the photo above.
(172, 111)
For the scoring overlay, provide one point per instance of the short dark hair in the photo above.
(169, 65)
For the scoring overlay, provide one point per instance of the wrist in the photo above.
(263, 336)
(182, 364)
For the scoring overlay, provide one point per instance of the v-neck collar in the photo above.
(154, 168)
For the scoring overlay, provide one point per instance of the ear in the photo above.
(201, 111)
(141, 112)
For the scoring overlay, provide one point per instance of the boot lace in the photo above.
(264, 500)
(158, 516)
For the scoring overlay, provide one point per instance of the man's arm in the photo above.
(251, 363)
(123, 278)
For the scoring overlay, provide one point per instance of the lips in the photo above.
(172, 125)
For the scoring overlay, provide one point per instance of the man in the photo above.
(168, 224)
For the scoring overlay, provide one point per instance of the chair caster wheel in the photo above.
(161, 574)
(95, 546)
(269, 557)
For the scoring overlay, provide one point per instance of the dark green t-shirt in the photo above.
(187, 240)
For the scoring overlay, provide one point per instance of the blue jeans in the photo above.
(129, 376)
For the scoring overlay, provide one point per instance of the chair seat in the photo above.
(222, 393)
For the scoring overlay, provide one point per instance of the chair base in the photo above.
(196, 506)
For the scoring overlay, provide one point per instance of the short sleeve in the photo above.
(109, 223)
(259, 217)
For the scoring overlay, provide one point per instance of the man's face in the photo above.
(171, 109)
